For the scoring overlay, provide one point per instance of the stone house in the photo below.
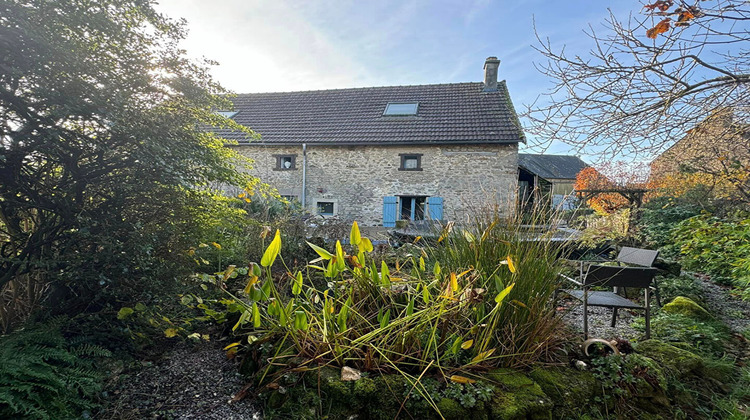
(717, 150)
(381, 154)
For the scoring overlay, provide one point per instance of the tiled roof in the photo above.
(551, 166)
(457, 113)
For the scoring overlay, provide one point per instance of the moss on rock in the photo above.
(565, 386)
(687, 307)
(519, 397)
(675, 360)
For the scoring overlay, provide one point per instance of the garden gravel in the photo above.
(719, 300)
(599, 321)
(192, 381)
(730, 309)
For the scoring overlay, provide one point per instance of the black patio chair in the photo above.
(642, 258)
(614, 277)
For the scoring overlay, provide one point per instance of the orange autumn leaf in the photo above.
(684, 18)
(660, 28)
(662, 5)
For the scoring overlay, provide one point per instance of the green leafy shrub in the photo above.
(672, 286)
(656, 224)
(46, 376)
(706, 337)
(719, 247)
(601, 228)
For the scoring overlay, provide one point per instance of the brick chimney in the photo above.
(490, 74)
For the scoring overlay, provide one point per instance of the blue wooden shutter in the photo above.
(389, 211)
(435, 208)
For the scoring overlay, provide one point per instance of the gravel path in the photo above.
(732, 310)
(193, 381)
(600, 320)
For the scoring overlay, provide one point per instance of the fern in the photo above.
(46, 377)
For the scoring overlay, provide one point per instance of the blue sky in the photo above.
(287, 45)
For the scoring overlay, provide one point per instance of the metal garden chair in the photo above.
(614, 277)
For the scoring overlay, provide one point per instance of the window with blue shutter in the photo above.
(389, 211)
(435, 208)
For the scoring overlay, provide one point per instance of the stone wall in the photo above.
(356, 178)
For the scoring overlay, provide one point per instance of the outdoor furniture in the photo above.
(640, 257)
(615, 277)
(630, 256)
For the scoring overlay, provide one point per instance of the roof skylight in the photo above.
(402, 108)
(227, 114)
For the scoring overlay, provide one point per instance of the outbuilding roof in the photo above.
(458, 113)
(551, 166)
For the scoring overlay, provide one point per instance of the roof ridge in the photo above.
(360, 88)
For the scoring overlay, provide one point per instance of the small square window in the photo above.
(286, 162)
(410, 162)
(325, 208)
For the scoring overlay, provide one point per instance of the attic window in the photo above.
(408, 108)
(227, 114)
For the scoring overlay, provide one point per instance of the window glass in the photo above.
(325, 208)
(285, 162)
(401, 109)
(411, 162)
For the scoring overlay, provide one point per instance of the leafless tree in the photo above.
(647, 79)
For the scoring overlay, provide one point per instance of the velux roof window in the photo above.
(227, 114)
(403, 108)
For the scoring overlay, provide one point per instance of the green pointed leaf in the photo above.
(366, 245)
(456, 345)
(340, 262)
(385, 319)
(385, 275)
(265, 290)
(436, 269)
(255, 269)
(243, 318)
(321, 251)
(354, 236)
(124, 312)
(501, 296)
(256, 315)
(343, 315)
(272, 251)
(410, 307)
(297, 285)
(426, 294)
(300, 320)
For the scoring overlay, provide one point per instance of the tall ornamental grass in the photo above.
(478, 298)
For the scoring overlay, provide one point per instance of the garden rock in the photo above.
(687, 307)
(566, 387)
(519, 397)
(350, 374)
(679, 361)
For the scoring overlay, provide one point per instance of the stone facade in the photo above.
(356, 178)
